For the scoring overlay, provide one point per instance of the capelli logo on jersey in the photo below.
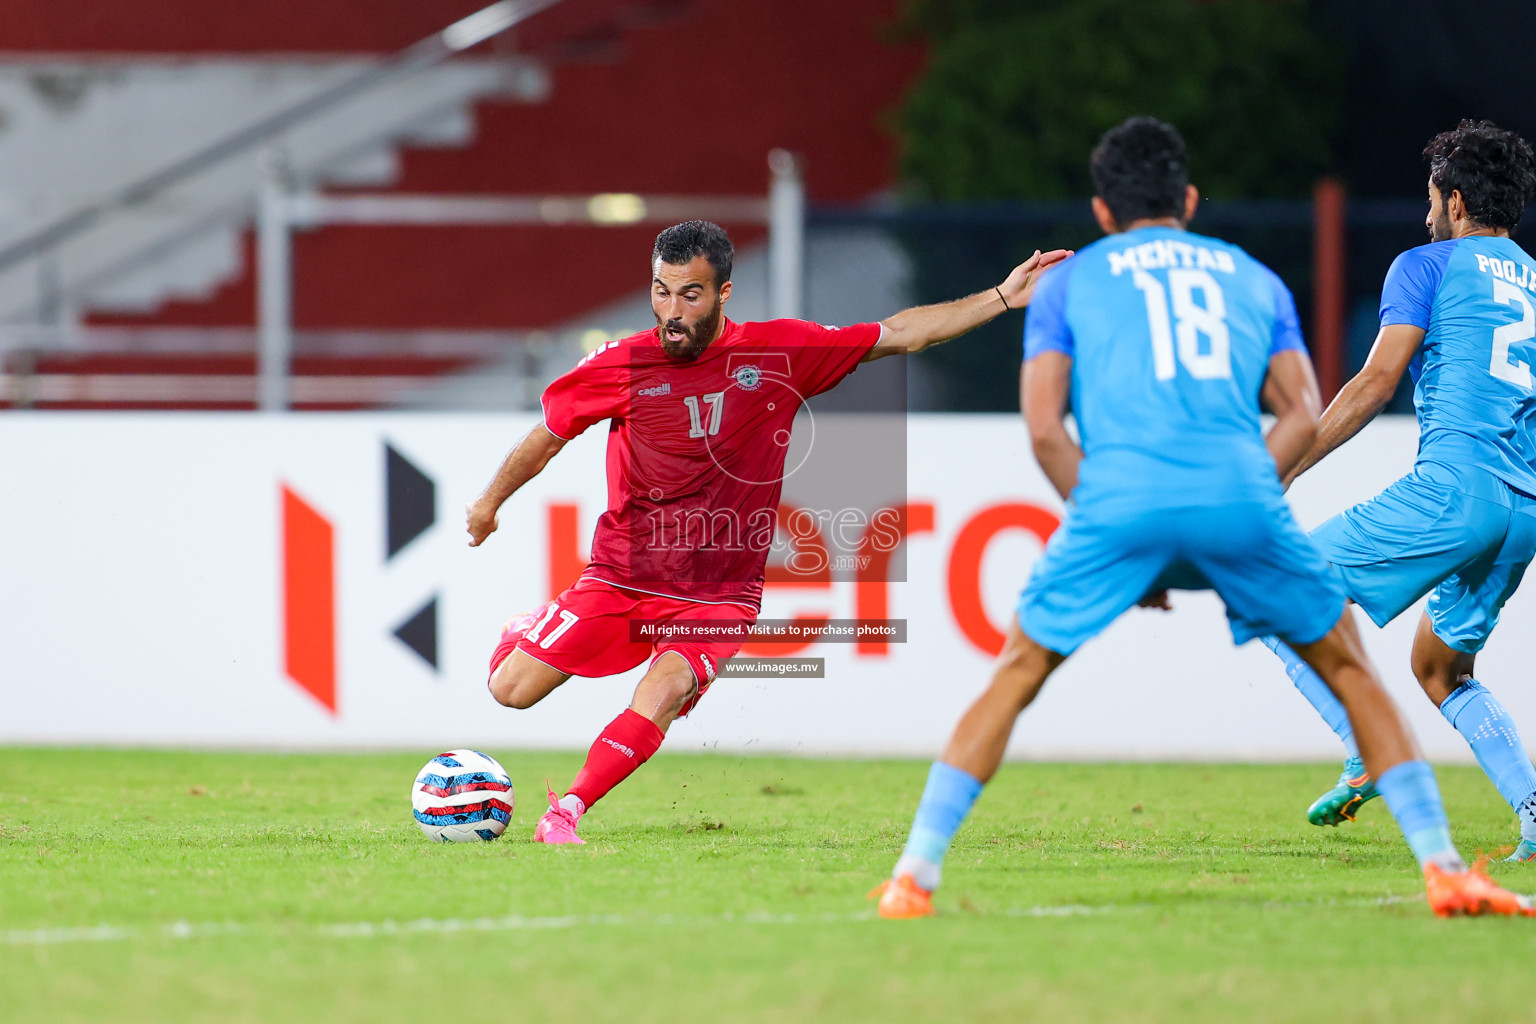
(653, 392)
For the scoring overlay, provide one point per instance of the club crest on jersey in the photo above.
(749, 377)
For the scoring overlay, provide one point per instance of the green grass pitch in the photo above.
(160, 886)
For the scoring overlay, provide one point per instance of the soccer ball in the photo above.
(462, 796)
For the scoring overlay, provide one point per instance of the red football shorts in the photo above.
(585, 632)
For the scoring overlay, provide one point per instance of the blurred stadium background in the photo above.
(399, 220)
(934, 140)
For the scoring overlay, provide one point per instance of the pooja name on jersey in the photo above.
(1518, 274)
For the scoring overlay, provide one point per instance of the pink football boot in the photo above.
(558, 825)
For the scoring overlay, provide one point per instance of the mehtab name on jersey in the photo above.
(1518, 274)
(1163, 253)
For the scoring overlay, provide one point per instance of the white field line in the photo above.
(517, 923)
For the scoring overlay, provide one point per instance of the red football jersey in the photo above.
(696, 449)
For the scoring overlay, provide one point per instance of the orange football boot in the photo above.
(902, 897)
(1472, 893)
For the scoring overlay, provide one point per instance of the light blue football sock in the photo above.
(1413, 797)
(1527, 812)
(947, 799)
(1317, 693)
(1489, 729)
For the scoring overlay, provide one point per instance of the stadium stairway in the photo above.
(385, 315)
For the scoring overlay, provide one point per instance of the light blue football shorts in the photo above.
(1459, 531)
(1252, 554)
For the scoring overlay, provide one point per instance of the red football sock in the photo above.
(626, 744)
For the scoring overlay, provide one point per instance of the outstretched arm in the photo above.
(1358, 402)
(522, 464)
(1045, 383)
(915, 329)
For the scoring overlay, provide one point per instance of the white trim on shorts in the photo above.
(516, 649)
(656, 593)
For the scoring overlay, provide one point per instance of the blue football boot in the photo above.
(1524, 852)
(1343, 801)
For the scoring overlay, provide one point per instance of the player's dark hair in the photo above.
(680, 243)
(1140, 170)
(1493, 169)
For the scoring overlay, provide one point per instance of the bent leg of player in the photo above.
(1462, 612)
(1386, 553)
(584, 631)
(1407, 782)
(1355, 786)
(956, 779)
(1316, 691)
(1281, 590)
(1089, 574)
(1450, 634)
(629, 740)
(679, 675)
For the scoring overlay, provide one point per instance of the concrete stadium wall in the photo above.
(142, 583)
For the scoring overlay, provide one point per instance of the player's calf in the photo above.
(981, 737)
(1380, 731)
(1439, 668)
(955, 781)
(1446, 675)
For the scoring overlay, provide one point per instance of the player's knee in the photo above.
(1022, 668)
(513, 690)
(504, 691)
(669, 685)
(678, 687)
(1439, 667)
(1438, 678)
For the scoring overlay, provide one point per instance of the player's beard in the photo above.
(1440, 227)
(695, 339)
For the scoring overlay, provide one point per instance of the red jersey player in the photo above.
(701, 409)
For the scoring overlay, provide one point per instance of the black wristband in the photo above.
(1000, 298)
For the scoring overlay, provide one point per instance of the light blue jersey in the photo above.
(1475, 299)
(1462, 526)
(1171, 334)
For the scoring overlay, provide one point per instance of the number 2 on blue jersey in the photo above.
(1522, 330)
(1179, 335)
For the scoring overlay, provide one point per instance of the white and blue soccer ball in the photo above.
(462, 796)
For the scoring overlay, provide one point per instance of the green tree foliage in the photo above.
(1018, 91)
